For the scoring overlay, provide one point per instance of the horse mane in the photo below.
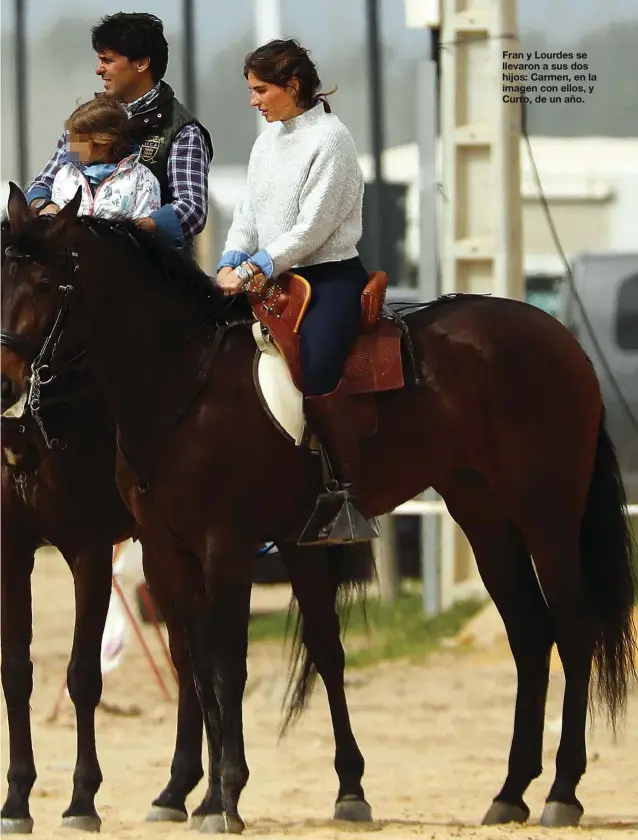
(175, 266)
(178, 267)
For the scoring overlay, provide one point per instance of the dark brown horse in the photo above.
(60, 491)
(509, 429)
(58, 488)
(64, 495)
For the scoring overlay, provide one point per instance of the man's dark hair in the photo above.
(134, 35)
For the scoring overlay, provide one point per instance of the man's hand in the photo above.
(49, 209)
(147, 224)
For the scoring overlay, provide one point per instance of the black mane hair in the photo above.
(177, 266)
(174, 266)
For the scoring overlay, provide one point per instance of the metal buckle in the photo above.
(256, 284)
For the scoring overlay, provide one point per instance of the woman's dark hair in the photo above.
(134, 35)
(105, 122)
(279, 62)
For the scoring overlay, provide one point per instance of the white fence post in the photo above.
(453, 585)
(387, 560)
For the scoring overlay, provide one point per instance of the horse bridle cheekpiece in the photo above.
(42, 365)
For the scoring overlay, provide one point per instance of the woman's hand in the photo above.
(224, 272)
(228, 281)
(255, 268)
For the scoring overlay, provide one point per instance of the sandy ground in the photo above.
(435, 736)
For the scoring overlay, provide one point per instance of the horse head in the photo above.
(35, 270)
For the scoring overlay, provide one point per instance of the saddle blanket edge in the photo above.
(281, 399)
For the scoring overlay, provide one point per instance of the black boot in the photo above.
(337, 518)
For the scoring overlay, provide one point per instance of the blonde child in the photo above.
(99, 160)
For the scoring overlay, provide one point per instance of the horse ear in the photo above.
(17, 208)
(66, 216)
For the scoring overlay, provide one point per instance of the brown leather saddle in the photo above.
(374, 363)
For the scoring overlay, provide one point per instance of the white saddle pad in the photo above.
(281, 399)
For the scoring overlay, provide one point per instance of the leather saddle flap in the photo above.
(374, 363)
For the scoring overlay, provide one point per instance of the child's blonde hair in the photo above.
(104, 121)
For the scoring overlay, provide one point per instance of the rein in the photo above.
(42, 372)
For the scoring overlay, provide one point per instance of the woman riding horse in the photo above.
(303, 210)
(532, 474)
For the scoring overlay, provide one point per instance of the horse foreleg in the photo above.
(224, 620)
(92, 576)
(232, 614)
(17, 680)
(316, 596)
(193, 608)
(186, 766)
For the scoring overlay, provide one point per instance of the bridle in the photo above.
(42, 353)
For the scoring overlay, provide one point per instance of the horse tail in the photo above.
(608, 556)
(349, 569)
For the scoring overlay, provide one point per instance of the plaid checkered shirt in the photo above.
(187, 171)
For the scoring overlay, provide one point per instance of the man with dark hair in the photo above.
(132, 55)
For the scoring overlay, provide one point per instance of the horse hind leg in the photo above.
(316, 576)
(556, 555)
(507, 572)
(17, 680)
(583, 553)
(92, 574)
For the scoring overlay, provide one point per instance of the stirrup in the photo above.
(336, 520)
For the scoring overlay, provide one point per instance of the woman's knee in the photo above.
(316, 383)
(321, 369)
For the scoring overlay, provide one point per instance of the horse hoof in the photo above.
(561, 815)
(83, 823)
(504, 812)
(353, 809)
(159, 813)
(221, 824)
(196, 821)
(24, 825)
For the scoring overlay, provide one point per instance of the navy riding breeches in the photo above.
(330, 325)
